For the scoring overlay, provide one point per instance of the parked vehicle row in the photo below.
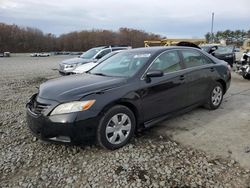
(226, 53)
(4, 54)
(66, 53)
(127, 92)
(40, 55)
(67, 67)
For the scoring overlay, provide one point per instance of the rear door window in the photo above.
(193, 58)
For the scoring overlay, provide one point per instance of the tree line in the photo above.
(14, 38)
(236, 37)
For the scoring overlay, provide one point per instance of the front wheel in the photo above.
(116, 127)
(215, 97)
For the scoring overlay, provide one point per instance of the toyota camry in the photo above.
(130, 91)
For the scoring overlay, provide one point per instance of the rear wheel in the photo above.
(215, 97)
(116, 127)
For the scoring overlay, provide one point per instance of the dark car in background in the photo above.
(226, 53)
(67, 67)
(130, 91)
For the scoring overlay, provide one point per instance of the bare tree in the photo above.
(25, 39)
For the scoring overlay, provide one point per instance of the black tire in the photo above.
(212, 104)
(106, 123)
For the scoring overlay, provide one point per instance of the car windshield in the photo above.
(107, 56)
(224, 49)
(90, 53)
(124, 64)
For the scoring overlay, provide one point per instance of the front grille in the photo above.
(39, 108)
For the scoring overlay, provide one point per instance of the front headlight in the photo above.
(76, 106)
(70, 66)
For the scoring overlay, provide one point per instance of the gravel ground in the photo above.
(148, 161)
(224, 132)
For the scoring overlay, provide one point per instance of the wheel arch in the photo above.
(127, 104)
(224, 85)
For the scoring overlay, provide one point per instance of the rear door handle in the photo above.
(182, 77)
(212, 69)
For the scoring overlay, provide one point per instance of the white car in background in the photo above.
(87, 66)
(40, 55)
(67, 66)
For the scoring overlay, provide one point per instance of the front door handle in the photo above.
(182, 77)
(212, 69)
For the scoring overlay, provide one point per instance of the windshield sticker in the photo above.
(142, 55)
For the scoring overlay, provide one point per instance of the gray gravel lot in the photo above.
(160, 157)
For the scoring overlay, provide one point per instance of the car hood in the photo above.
(77, 60)
(85, 67)
(75, 87)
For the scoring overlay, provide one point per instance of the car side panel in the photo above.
(199, 81)
(163, 95)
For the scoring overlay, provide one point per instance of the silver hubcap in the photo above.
(216, 96)
(118, 128)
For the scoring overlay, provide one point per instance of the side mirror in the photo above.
(154, 73)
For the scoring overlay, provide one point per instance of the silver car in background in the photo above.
(67, 67)
(88, 66)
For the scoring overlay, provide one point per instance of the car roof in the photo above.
(111, 46)
(160, 49)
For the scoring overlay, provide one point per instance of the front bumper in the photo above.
(75, 128)
(66, 71)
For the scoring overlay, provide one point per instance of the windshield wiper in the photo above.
(99, 74)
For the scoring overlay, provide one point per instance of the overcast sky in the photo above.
(170, 18)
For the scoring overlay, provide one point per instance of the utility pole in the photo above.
(212, 28)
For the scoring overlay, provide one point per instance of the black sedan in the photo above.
(226, 53)
(128, 92)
